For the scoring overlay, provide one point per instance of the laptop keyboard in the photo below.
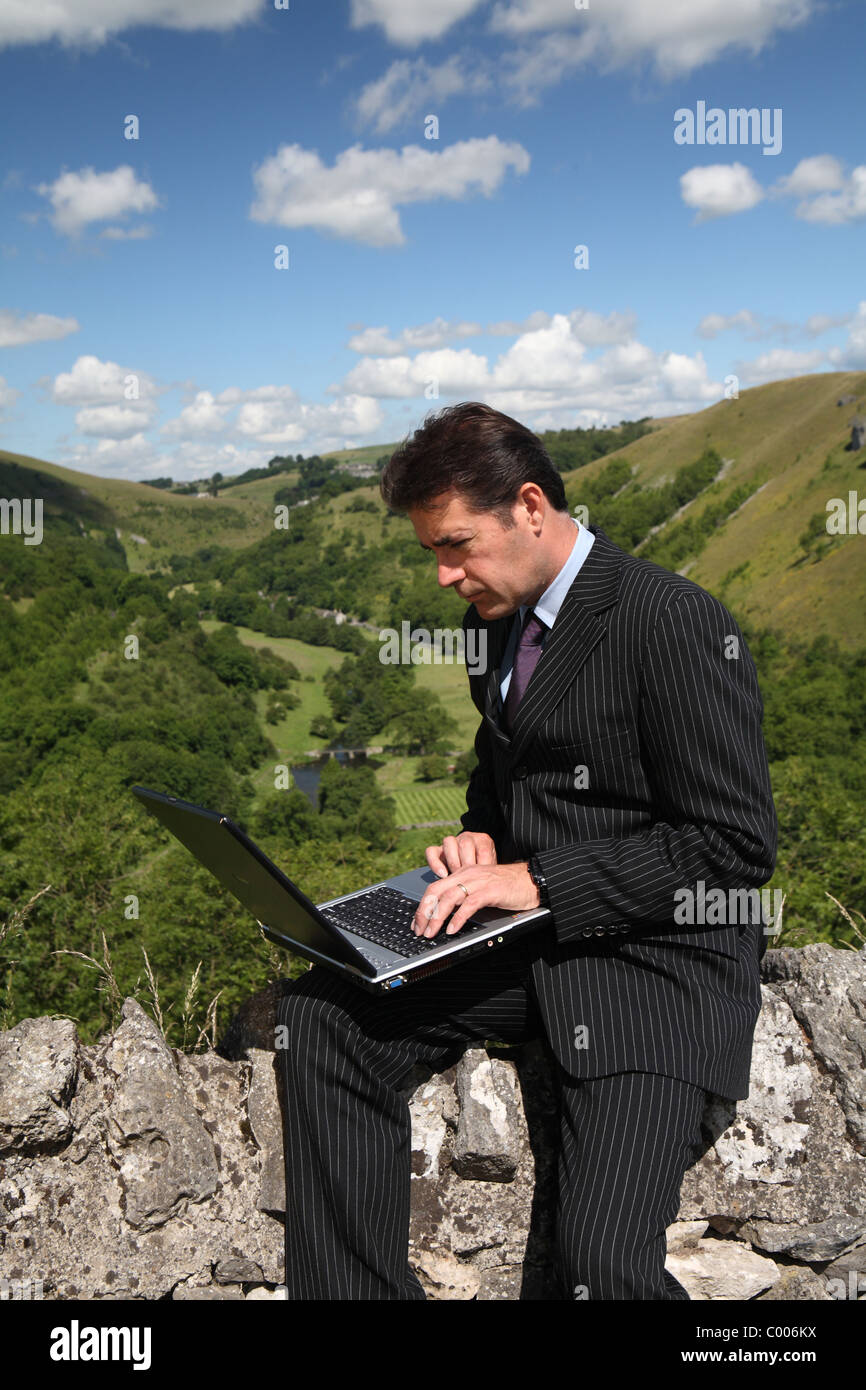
(383, 915)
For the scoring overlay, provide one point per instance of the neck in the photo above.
(564, 535)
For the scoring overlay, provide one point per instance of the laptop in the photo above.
(365, 935)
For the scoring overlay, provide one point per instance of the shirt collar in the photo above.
(551, 600)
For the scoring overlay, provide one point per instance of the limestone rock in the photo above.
(826, 990)
(723, 1269)
(38, 1070)
(163, 1154)
(486, 1146)
(131, 1171)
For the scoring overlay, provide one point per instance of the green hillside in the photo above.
(782, 447)
(186, 644)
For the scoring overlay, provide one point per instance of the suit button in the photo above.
(600, 931)
(519, 773)
(587, 931)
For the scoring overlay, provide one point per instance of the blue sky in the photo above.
(146, 330)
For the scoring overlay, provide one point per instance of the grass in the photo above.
(790, 434)
(436, 802)
(292, 735)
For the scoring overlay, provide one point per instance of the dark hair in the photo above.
(476, 450)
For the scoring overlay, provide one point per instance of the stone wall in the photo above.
(129, 1170)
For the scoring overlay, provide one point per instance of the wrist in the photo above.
(536, 873)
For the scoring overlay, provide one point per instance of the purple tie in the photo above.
(525, 661)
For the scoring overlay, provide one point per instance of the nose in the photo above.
(449, 574)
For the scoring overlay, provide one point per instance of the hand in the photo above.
(469, 847)
(488, 885)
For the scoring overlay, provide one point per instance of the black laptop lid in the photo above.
(248, 874)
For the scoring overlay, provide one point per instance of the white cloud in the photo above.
(509, 328)
(409, 22)
(717, 190)
(548, 371)
(779, 363)
(593, 330)
(8, 394)
(526, 71)
(94, 382)
(827, 194)
(711, 325)
(16, 329)
(114, 458)
(380, 342)
(816, 324)
(91, 22)
(676, 36)
(114, 421)
(453, 370)
(127, 233)
(550, 357)
(755, 326)
(274, 416)
(818, 174)
(852, 357)
(846, 205)
(202, 416)
(358, 196)
(412, 88)
(83, 197)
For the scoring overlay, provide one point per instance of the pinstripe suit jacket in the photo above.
(639, 684)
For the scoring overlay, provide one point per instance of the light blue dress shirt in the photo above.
(550, 602)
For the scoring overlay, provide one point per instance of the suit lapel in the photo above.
(573, 636)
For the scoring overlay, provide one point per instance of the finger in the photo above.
(427, 910)
(485, 852)
(467, 851)
(451, 853)
(464, 902)
(434, 914)
(465, 910)
(434, 859)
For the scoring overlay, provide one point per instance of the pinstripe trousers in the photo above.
(626, 1139)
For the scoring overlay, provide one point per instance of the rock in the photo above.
(163, 1154)
(132, 1171)
(786, 1154)
(724, 1269)
(683, 1233)
(486, 1146)
(444, 1276)
(797, 1283)
(854, 1258)
(267, 1129)
(433, 1109)
(237, 1271)
(822, 1240)
(254, 1025)
(826, 991)
(38, 1071)
(206, 1293)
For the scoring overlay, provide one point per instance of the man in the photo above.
(622, 780)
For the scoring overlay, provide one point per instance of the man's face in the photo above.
(488, 565)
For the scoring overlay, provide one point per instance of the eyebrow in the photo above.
(443, 540)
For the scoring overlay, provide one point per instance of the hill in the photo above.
(755, 534)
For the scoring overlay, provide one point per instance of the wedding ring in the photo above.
(465, 889)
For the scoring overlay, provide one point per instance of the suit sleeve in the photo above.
(483, 811)
(701, 743)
